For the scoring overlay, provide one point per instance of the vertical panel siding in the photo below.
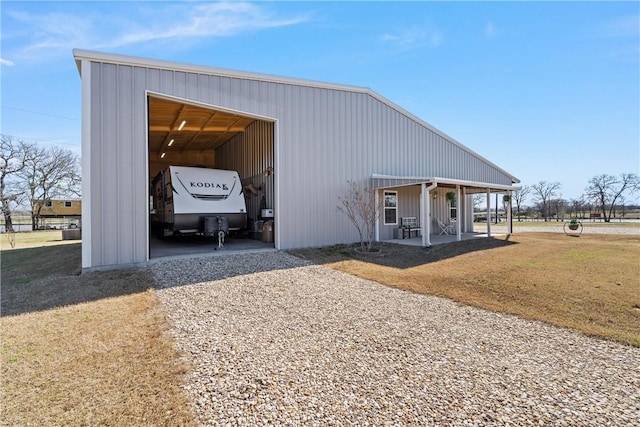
(109, 173)
(326, 137)
(96, 190)
(140, 184)
(251, 155)
(126, 147)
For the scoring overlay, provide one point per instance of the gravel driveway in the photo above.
(273, 339)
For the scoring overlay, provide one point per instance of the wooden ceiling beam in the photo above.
(200, 130)
(213, 144)
(173, 126)
(166, 128)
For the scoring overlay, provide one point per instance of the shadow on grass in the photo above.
(401, 256)
(42, 278)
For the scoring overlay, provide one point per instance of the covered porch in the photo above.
(437, 239)
(438, 210)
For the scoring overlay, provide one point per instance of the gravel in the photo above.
(275, 340)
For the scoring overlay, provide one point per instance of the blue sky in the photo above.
(547, 90)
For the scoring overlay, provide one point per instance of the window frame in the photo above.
(389, 208)
(68, 204)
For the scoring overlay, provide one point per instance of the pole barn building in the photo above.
(299, 142)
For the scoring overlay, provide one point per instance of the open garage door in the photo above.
(187, 134)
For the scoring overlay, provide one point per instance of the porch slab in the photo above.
(439, 239)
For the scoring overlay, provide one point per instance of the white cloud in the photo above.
(207, 20)
(52, 33)
(626, 26)
(6, 62)
(414, 37)
(489, 29)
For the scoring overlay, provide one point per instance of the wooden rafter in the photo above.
(175, 123)
(213, 144)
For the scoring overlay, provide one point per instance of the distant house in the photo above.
(59, 212)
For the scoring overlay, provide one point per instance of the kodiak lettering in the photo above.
(209, 185)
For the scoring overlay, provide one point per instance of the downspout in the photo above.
(425, 213)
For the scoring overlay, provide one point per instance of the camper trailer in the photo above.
(194, 200)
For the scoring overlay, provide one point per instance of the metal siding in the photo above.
(109, 172)
(408, 206)
(153, 80)
(124, 177)
(251, 153)
(140, 185)
(95, 169)
(326, 138)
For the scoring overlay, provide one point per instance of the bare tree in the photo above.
(519, 197)
(49, 174)
(545, 191)
(360, 206)
(605, 190)
(478, 199)
(14, 156)
(574, 208)
(559, 206)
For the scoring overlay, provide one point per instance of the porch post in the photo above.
(425, 214)
(465, 228)
(458, 213)
(509, 215)
(488, 212)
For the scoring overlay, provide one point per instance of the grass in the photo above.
(94, 349)
(589, 283)
(31, 239)
(90, 349)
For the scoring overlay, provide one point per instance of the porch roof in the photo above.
(379, 182)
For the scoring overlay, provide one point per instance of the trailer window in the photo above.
(390, 207)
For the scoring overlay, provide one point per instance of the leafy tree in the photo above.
(605, 190)
(14, 157)
(545, 191)
(359, 205)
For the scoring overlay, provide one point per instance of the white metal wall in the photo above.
(251, 154)
(325, 137)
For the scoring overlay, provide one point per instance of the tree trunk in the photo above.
(8, 222)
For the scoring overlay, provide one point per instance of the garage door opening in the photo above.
(226, 161)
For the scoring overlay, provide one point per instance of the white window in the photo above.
(390, 207)
(67, 204)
